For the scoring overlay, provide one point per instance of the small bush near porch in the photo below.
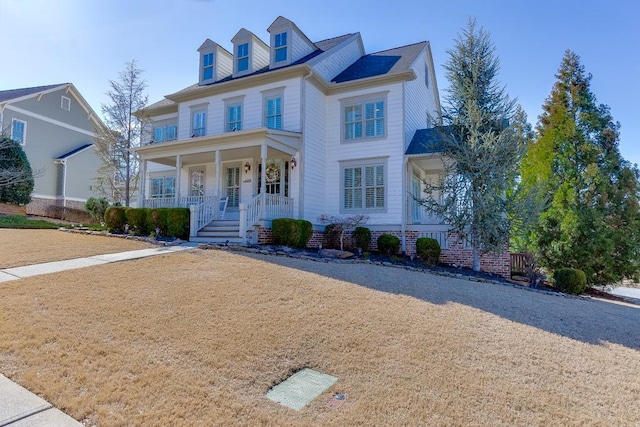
(170, 222)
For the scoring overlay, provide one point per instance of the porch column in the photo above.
(142, 193)
(263, 183)
(218, 175)
(178, 173)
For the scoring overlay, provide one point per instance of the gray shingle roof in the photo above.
(429, 141)
(389, 61)
(162, 103)
(7, 95)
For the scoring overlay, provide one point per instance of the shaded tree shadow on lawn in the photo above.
(587, 320)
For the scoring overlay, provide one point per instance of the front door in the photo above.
(276, 177)
(232, 187)
(196, 181)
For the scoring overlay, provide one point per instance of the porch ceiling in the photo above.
(428, 162)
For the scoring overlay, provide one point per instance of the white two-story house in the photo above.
(296, 128)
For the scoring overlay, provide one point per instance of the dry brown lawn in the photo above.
(198, 337)
(25, 247)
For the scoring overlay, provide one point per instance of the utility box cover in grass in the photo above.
(301, 388)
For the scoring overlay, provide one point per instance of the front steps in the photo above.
(221, 231)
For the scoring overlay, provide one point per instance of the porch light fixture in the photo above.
(247, 167)
(293, 162)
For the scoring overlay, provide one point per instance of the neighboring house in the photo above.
(296, 128)
(56, 128)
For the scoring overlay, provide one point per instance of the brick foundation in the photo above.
(454, 254)
(54, 208)
(11, 209)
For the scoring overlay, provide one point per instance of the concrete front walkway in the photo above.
(18, 406)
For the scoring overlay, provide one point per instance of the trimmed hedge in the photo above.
(570, 280)
(291, 232)
(172, 222)
(428, 249)
(115, 218)
(96, 207)
(137, 220)
(388, 244)
(178, 223)
(362, 238)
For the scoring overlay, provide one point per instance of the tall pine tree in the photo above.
(591, 219)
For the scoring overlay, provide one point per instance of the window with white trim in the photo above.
(234, 116)
(242, 57)
(165, 133)
(65, 103)
(364, 119)
(19, 131)
(199, 123)
(363, 187)
(280, 44)
(273, 112)
(163, 187)
(207, 66)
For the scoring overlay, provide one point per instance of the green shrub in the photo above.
(570, 280)
(96, 208)
(137, 220)
(291, 232)
(428, 250)
(362, 238)
(388, 244)
(13, 158)
(178, 223)
(332, 236)
(158, 220)
(115, 218)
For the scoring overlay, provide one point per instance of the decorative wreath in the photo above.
(272, 173)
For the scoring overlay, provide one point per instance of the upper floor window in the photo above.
(364, 120)
(242, 56)
(273, 112)
(207, 66)
(281, 47)
(199, 123)
(234, 117)
(165, 133)
(363, 187)
(19, 131)
(65, 103)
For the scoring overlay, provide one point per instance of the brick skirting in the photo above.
(454, 254)
(54, 208)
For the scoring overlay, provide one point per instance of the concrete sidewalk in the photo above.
(16, 273)
(18, 406)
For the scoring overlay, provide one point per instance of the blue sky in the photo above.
(87, 42)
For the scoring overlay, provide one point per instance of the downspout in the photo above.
(403, 224)
(303, 103)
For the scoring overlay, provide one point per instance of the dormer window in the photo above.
(207, 66)
(281, 47)
(242, 56)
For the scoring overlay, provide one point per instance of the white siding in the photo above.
(339, 59)
(419, 100)
(252, 109)
(224, 65)
(299, 47)
(315, 167)
(390, 147)
(260, 57)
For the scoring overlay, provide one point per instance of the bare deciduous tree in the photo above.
(118, 178)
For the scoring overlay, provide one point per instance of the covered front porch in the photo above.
(240, 177)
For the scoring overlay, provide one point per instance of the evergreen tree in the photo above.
(16, 176)
(482, 147)
(591, 219)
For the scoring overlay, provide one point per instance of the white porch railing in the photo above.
(203, 214)
(268, 206)
(173, 202)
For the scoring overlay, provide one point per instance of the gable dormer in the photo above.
(215, 62)
(288, 43)
(250, 53)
